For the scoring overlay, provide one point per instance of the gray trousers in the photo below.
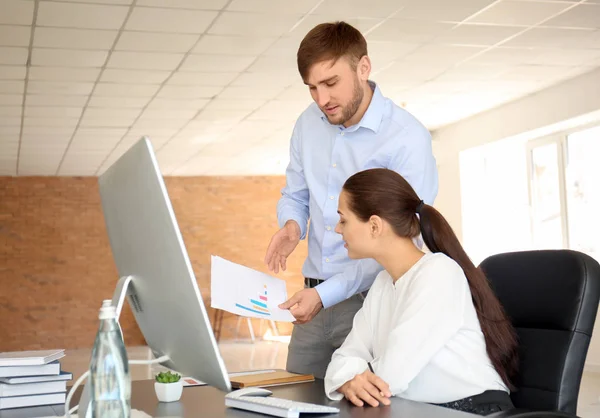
(313, 343)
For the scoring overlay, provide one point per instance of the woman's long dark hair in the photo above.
(387, 194)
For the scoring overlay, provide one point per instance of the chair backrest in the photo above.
(552, 298)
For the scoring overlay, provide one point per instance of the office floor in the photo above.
(241, 356)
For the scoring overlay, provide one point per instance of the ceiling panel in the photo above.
(11, 35)
(185, 4)
(83, 16)
(111, 75)
(74, 38)
(196, 78)
(216, 63)
(155, 42)
(59, 88)
(144, 60)
(13, 55)
(16, 12)
(261, 24)
(68, 57)
(582, 16)
(170, 20)
(233, 45)
(12, 72)
(63, 74)
(523, 13)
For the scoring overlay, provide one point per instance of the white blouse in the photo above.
(421, 335)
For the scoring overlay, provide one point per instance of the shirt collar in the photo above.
(374, 114)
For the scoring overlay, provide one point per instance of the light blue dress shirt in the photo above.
(322, 157)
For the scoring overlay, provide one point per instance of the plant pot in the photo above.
(168, 392)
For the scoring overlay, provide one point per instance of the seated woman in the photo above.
(431, 329)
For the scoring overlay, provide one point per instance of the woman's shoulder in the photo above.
(439, 269)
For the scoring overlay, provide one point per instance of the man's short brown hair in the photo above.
(330, 41)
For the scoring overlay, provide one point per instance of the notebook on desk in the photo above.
(263, 378)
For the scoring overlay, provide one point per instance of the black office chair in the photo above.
(552, 298)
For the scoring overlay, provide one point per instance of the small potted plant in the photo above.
(168, 386)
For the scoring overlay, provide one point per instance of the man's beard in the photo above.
(351, 108)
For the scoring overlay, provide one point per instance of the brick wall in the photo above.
(56, 265)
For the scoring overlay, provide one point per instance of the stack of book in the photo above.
(32, 378)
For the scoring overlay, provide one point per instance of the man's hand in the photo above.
(366, 387)
(281, 246)
(304, 305)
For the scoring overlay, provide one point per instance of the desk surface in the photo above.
(211, 403)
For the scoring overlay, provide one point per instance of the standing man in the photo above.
(350, 127)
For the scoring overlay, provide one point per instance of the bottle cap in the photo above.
(107, 311)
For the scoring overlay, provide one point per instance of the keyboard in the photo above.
(277, 407)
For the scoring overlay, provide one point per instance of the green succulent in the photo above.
(167, 377)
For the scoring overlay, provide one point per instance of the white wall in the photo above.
(572, 103)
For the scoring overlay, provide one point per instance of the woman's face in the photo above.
(355, 233)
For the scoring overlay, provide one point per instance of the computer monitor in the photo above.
(147, 244)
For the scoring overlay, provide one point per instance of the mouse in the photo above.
(252, 391)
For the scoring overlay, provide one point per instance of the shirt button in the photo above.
(334, 165)
(329, 228)
(331, 197)
(327, 260)
(342, 134)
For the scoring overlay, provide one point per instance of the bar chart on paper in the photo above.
(247, 292)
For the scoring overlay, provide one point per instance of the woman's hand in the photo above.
(366, 387)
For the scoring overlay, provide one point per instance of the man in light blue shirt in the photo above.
(350, 127)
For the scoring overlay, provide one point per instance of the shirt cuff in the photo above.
(300, 220)
(329, 293)
(344, 373)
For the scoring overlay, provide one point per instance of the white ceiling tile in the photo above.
(137, 133)
(250, 92)
(16, 12)
(411, 31)
(364, 24)
(232, 45)
(12, 72)
(149, 125)
(269, 6)
(470, 71)
(10, 111)
(216, 63)
(160, 103)
(50, 112)
(49, 122)
(222, 115)
(267, 63)
(10, 130)
(557, 38)
(110, 75)
(253, 24)
(563, 57)
(359, 8)
(74, 15)
(187, 78)
(185, 4)
(581, 16)
(107, 113)
(189, 92)
(11, 99)
(519, 12)
(10, 121)
(12, 87)
(435, 10)
(35, 131)
(235, 104)
(63, 74)
(475, 34)
(12, 55)
(125, 90)
(59, 88)
(285, 47)
(169, 20)
(297, 92)
(504, 56)
(273, 78)
(441, 54)
(382, 53)
(144, 60)
(74, 38)
(117, 2)
(169, 114)
(95, 133)
(68, 58)
(155, 42)
(534, 73)
(111, 122)
(48, 100)
(278, 110)
(128, 102)
(404, 72)
(14, 35)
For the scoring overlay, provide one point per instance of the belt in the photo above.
(309, 282)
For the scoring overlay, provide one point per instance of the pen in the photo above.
(370, 367)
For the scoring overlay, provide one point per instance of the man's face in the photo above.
(336, 88)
